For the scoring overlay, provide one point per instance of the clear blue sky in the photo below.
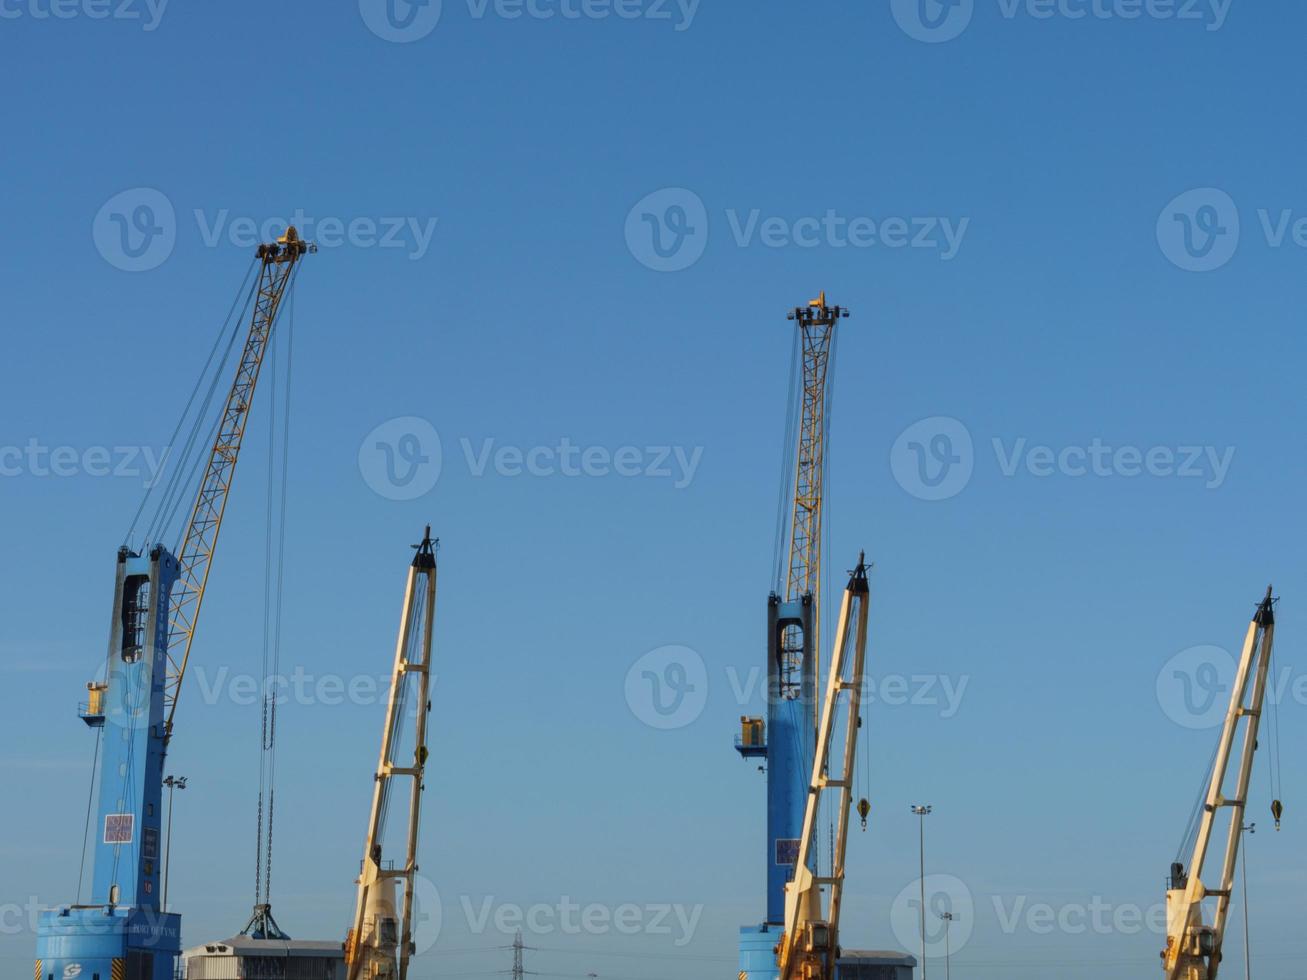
(1052, 144)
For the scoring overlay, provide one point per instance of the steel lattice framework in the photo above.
(816, 324)
(201, 537)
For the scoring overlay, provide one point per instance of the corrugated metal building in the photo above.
(242, 958)
(874, 964)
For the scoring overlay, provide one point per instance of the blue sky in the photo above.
(1005, 211)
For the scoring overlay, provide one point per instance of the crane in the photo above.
(124, 933)
(380, 944)
(786, 739)
(1193, 948)
(809, 946)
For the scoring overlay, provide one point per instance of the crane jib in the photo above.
(278, 263)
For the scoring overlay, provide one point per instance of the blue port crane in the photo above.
(124, 932)
(786, 739)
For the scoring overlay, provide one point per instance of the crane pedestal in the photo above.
(758, 951)
(113, 943)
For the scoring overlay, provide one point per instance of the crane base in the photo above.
(111, 942)
(758, 952)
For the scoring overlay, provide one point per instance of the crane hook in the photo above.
(864, 808)
(1277, 811)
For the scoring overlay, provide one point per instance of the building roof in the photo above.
(877, 957)
(245, 946)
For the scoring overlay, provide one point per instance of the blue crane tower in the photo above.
(124, 932)
(787, 738)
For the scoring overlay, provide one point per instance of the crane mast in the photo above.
(380, 944)
(124, 932)
(1194, 948)
(786, 739)
(810, 943)
(816, 326)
